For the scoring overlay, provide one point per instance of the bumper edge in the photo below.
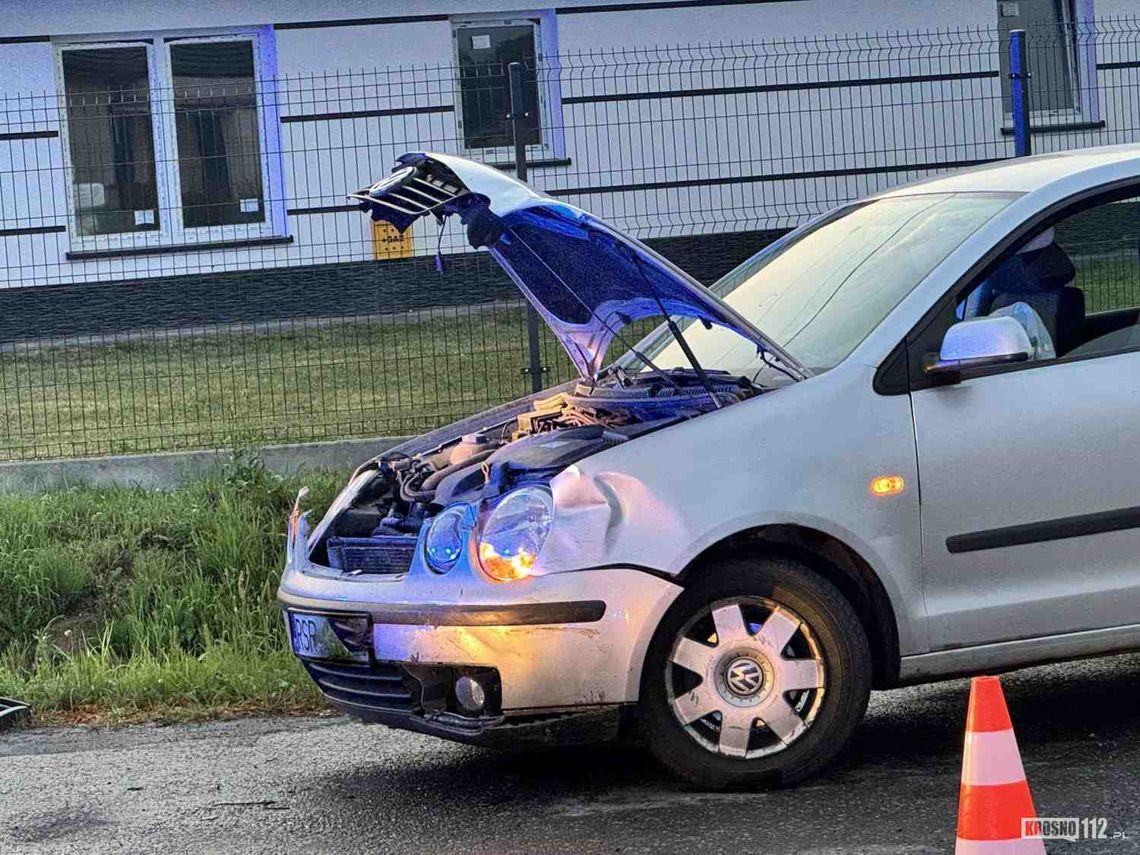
(581, 726)
(523, 614)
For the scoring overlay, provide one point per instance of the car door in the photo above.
(1030, 487)
(1029, 474)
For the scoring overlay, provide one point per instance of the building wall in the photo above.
(330, 62)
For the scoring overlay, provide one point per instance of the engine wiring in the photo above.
(409, 488)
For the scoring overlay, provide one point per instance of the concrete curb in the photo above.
(168, 470)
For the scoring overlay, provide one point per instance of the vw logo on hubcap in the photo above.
(744, 676)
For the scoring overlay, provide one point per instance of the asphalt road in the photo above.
(330, 785)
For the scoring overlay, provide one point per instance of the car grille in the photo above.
(385, 555)
(379, 686)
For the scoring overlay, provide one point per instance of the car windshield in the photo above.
(820, 293)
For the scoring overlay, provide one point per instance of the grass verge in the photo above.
(122, 603)
(295, 381)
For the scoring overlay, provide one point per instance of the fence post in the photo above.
(517, 118)
(1019, 93)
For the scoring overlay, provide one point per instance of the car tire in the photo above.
(771, 595)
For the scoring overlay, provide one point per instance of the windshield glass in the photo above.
(821, 293)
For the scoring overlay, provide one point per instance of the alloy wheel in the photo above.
(745, 677)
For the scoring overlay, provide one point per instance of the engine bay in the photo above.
(376, 532)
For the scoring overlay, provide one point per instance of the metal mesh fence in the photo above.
(182, 270)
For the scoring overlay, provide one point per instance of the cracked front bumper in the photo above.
(567, 648)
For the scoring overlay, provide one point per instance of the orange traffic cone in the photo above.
(994, 798)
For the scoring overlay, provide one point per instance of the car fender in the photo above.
(803, 455)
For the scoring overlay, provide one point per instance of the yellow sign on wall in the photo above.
(387, 242)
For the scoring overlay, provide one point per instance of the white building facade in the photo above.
(183, 142)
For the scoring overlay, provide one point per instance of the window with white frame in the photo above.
(171, 140)
(484, 49)
(1060, 53)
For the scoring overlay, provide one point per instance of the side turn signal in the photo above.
(887, 485)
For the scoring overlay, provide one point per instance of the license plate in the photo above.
(341, 638)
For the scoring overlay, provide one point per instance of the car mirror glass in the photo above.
(980, 343)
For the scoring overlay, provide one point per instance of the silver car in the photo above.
(894, 446)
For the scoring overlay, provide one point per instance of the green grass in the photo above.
(1110, 281)
(290, 383)
(124, 602)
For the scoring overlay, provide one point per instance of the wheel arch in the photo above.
(835, 561)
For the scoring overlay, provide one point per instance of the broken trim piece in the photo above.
(525, 614)
(12, 711)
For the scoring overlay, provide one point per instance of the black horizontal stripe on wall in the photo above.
(321, 209)
(167, 249)
(360, 22)
(1059, 128)
(1109, 66)
(32, 230)
(1042, 532)
(23, 40)
(369, 114)
(889, 169)
(847, 83)
(539, 163)
(28, 135)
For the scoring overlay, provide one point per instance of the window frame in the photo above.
(886, 378)
(1081, 58)
(172, 232)
(551, 127)
(114, 240)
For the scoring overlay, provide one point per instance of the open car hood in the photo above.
(586, 279)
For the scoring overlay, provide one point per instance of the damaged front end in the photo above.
(588, 282)
(460, 584)
(376, 531)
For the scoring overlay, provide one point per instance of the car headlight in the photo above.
(513, 532)
(445, 538)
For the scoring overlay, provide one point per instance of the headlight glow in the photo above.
(446, 538)
(513, 533)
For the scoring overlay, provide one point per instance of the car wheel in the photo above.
(757, 675)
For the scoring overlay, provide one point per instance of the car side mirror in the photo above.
(979, 343)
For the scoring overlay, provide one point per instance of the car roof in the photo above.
(1026, 174)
